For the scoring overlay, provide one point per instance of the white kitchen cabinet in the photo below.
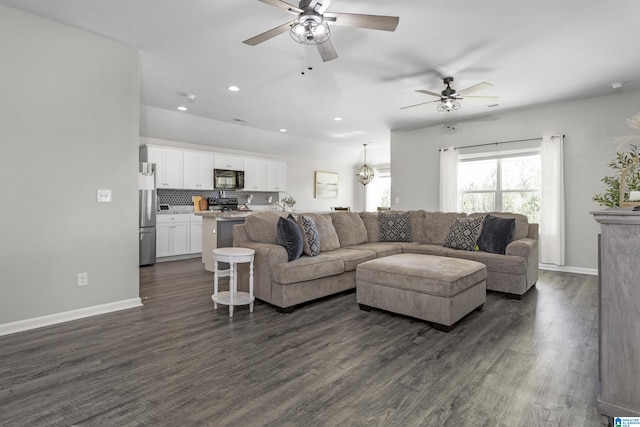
(168, 165)
(255, 174)
(198, 170)
(172, 235)
(224, 161)
(276, 175)
(195, 225)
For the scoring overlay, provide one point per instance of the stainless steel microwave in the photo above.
(226, 179)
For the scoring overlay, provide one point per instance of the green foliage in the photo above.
(611, 197)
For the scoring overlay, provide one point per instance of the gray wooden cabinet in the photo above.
(619, 306)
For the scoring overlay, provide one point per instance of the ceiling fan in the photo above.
(449, 99)
(311, 25)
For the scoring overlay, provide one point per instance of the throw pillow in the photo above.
(290, 237)
(310, 237)
(464, 233)
(395, 226)
(496, 234)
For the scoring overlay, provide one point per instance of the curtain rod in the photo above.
(496, 143)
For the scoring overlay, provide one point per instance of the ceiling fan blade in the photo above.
(475, 88)
(327, 51)
(426, 92)
(268, 34)
(284, 6)
(372, 22)
(417, 105)
(481, 97)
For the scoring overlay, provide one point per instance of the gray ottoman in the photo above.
(440, 290)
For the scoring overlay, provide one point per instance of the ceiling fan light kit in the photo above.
(310, 28)
(448, 105)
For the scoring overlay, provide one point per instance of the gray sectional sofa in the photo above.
(350, 238)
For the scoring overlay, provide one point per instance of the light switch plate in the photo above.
(104, 195)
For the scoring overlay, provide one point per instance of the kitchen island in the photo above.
(217, 232)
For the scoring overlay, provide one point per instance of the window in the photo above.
(507, 182)
(378, 191)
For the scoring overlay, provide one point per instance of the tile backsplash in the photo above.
(176, 197)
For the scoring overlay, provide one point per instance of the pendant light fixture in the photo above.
(365, 174)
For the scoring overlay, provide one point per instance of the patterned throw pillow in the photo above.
(464, 233)
(394, 226)
(310, 237)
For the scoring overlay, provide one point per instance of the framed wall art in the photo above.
(326, 185)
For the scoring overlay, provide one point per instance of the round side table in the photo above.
(232, 297)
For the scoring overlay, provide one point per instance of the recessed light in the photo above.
(182, 108)
(233, 88)
(283, 130)
(337, 119)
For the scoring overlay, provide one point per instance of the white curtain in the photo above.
(448, 180)
(552, 201)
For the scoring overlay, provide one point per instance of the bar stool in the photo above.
(232, 297)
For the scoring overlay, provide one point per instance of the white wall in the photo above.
(300, 176)
(590, 127)
(68, 126)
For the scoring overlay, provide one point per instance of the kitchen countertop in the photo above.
(223, 216)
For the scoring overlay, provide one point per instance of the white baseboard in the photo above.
(52, 319)
(567, 269)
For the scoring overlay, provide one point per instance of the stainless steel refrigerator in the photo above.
(147, 205)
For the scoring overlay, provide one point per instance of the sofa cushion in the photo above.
(417, 225)
(522, 222)
(310, 238)
(437, 225)
(496, 234)
(349, 227)
(290, 237)
(326, 232)
(463, 233)
(307, 268)
(262, 227)
(372, 225)
(395, 226)
(427, 249)
(353, 257)
(381, 249)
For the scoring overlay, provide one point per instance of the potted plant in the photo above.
(624, 160)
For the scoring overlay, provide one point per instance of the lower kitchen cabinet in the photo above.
(173, 235)
(196, 234)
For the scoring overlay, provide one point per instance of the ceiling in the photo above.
(532, 52)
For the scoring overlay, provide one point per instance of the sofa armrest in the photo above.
(528, 249)
(522, 247)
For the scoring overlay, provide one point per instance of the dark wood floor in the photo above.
(177, 362)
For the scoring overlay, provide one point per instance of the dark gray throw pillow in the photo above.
(290, 237)
(496, 234)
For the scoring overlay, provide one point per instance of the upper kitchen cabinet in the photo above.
(224, 161)
(276, 175)
(255, 174)
(198, 170)
(168, 165)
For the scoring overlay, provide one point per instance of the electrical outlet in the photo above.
(83, 279)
